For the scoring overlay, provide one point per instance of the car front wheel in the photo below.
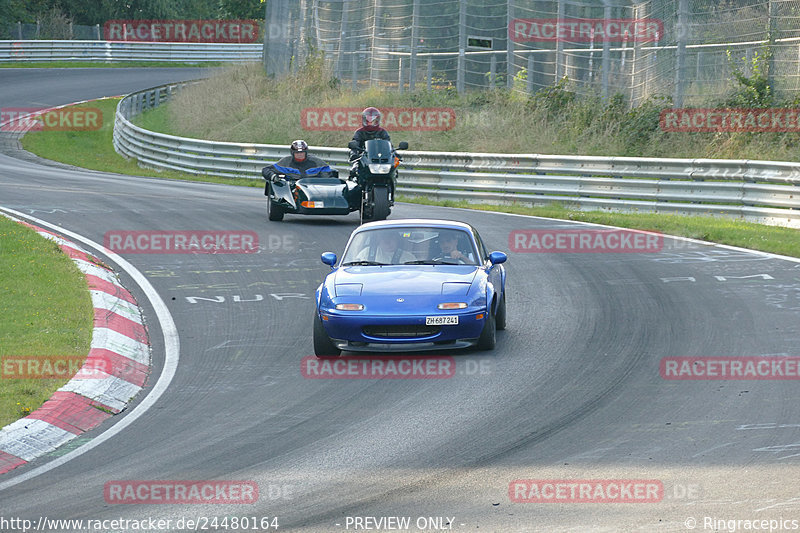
(323, 346)
(488, 338)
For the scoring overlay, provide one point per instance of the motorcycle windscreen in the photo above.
(378, 151)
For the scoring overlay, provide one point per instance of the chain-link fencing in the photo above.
(688, 50)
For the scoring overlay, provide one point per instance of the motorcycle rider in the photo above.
(370, 129)
(300, 164)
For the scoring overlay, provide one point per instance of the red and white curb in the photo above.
(119, 342)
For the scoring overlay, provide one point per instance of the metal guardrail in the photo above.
(762, 191)
(113, 51)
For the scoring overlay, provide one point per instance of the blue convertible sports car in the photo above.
(407, 285)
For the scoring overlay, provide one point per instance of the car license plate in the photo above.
(450, 320)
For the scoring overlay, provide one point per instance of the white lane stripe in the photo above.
(61, 242)
(108, 339)
(103, 300)
(111, 390)
(171, 354)
(29, 438)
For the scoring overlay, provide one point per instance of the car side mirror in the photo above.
(496, 258)
(402, 146)
(329, 258)
(354, 146)
(334, 173)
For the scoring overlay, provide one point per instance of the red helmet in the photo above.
(299, 146)
(371, 119)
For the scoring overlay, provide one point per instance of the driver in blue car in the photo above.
(370, 129)
(300, 164)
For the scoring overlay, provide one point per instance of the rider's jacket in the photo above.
(312, 167)
(361, 136)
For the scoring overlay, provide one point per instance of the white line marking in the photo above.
(171, 353)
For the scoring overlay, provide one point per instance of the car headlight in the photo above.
(380, 168)
(452, 305)
(349, 307)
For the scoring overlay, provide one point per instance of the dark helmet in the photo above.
(299, 146)
(371, 119)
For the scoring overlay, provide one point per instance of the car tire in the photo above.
(501, 314)
(488, 338)
(323, 346)
(274, 212)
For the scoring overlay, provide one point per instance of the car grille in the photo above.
(390, 332)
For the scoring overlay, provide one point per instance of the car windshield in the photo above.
(409, 246)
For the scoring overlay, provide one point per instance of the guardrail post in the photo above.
(157, 99)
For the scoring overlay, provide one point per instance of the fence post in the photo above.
(509, 46)
(414, 38)
(462, 45)
(559, 44)
(699, 67)
(19, 30)
(606, 61)
(343, 35)
(430, 72)
(97, 31)
(680, 54)
(530, 72)
(373, 71)
(400, 74)
(492, 71)
(354, 68)
(772, 14)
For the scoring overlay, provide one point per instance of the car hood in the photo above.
(399, 280)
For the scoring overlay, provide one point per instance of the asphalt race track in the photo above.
(572, 392)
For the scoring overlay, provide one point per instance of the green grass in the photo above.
(45, 310)
(774, 239)
(104, 64)
(94, 150)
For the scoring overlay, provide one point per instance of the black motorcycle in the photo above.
(377, 177)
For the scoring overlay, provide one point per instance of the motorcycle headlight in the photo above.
(380, 168)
